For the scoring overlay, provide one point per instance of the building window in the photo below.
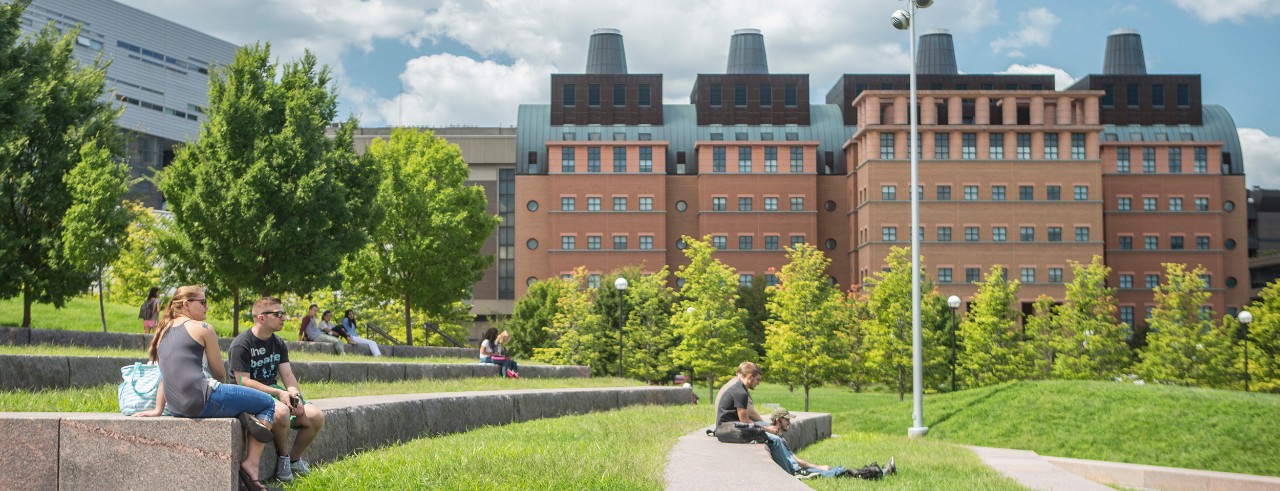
(1055, 234)
(1053, 193)
(718, 203)
(1108, 95)
(1148, 160)
(619, 242)
(1051, 146)
(619, 203)
(1157, 95)
(744, 242)
(944, 192)
(1028, 275)
(1131, 95)
(771, 159)
(1184, 95)
(1175, 242)
(1122, 160)
(1175, 160)
(593, 203)
(971, 193)
(1027, 234)
(1202, 242)
(1148, 204)
(1126, 315)
(944, 275)
(886, 146)
(567, 159)
(593, 281)
(770, 242)
(944, 234)
(999, 234)
(619, 95)
(593, 159)
(1175, 204)
(1202, 160)
(797, 159)
(646, 159)
(797, 203)
(888, 192)
(771, 204)
(997, 193)
(593, 242)
(646, 242)
(739, 95)
(972, 275)
(1202, 204)
(744, 203)
(796, 240)
(567, 242)
(567, 203)
(744, 160)
(644, 97)
(1126, 243)
(766, 95)
(971, 234)
(1024, 146)
(593, 95)
(1078, 151)
(1026, 193)
(1152, 280)
(1124, 204)
(790, 94)
(1082, 234)
(1082, 193)
(968, 146)
(941, 146)
(1151, 242)
(619, 160)
(646, 204)
(718, 159)
(1126, 281)
(996, 146)
(1055, 275)
(716, 95)
(770, 279)
(744, 280)
(570, 95)
(889, 234)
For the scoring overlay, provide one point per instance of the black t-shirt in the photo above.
(734, 397)
(259, 358)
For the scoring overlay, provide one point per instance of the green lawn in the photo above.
(81, 314)
(56, 350)
(102, 399)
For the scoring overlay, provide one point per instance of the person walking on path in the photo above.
(149, 312)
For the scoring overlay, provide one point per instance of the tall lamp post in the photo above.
(953, 302)
(621, 285)
(903, 20)
(1245, 318)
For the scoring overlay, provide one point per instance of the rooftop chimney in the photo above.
(937, 55)
(1124, 54)
(746, 52)
(606, 54)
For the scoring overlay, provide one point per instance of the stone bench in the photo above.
(110, 451)
(33, 372)
(700, 462)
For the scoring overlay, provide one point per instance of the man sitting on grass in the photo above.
(785, 458)
(257, 358)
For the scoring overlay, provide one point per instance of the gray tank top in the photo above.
(186, 387)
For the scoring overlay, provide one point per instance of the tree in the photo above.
(96, 222)
(426, 252)
(994, 349)
(137, 269)
(753, 300)
(649, 337)
(52, 118)
(802, 347)
(264, 200)
(1042, 329)
(713, 340)
(533, 314)
(1090, 342)
(1183, 345)
(576, 330)
(1264, 340)
(887, 325)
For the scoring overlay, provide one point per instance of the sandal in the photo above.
(255, 428)
(250, 484)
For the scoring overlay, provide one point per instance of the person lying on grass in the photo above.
(259, 360)
(787, 460)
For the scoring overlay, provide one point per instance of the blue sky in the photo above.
(471, 62)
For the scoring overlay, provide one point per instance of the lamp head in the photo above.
(900, 20)
(953, 302)
(1245, 317)
(923, 4)
(620, 283)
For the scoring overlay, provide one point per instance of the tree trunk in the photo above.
(711, 396)
(408, 322)
(26, 305)
(235, 312)
(902, 382)
(102, 311)
(806, 398)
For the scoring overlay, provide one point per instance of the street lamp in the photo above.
(953, 302)
(621, 285)
(1245, 318)
(906, 20)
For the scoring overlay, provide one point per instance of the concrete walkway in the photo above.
(699, 462)
(1058, 473)
(1032, 471)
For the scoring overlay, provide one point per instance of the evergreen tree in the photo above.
(1091, 342)
(1183, 344)
(994, 350)
(801, 344)
(713, 340)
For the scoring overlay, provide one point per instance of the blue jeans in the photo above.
(785, 458)
(229, 400)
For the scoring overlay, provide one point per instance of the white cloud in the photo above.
(447, 89)
(1232, 10)
(1037, 30)
(1261, 158)
(1061, 79)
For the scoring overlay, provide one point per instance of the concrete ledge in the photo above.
(1032, 471)
(110, 451)
(32, 372)
(700, 462)
(1166, 478)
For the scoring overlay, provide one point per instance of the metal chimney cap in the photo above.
(1123, 30)
(748, 30)
(606, 30)
(938, 31)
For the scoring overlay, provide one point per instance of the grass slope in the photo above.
(80, 314)
(56, 350)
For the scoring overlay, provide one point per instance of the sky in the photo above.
(472, 62)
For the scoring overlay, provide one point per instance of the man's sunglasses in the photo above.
(278, 313)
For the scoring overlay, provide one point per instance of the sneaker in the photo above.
(805, 474)
(512, 374)
(300, 467)
(284, 472)
(890, 468)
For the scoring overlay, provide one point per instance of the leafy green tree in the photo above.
(1264, 340)
(426, 253)
(887, 325)
(713, 339)
(614, 306)
(649, 336)
(137, 269)
(1183, 344)
(96, 222)
(754, 299)
(994, 350)
(1042, 329)
(264, 200)
(852, 315)
(1091, 342)
(576, 330)
(802, 347)
(533, 314)
(52, 118)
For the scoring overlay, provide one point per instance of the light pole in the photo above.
(953, 302)
(621, 285)
(1245, 318)
(906, 20)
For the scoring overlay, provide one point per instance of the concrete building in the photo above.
(159, 74)
(1013, 172)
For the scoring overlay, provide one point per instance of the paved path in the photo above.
(1059, 473)
(1032, 471)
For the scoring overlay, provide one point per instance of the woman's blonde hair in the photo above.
(172, 311)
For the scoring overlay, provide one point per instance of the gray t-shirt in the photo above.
(186, 387)
(733, 396)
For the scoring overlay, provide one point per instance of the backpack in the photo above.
(147, 311)
(738, 432)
